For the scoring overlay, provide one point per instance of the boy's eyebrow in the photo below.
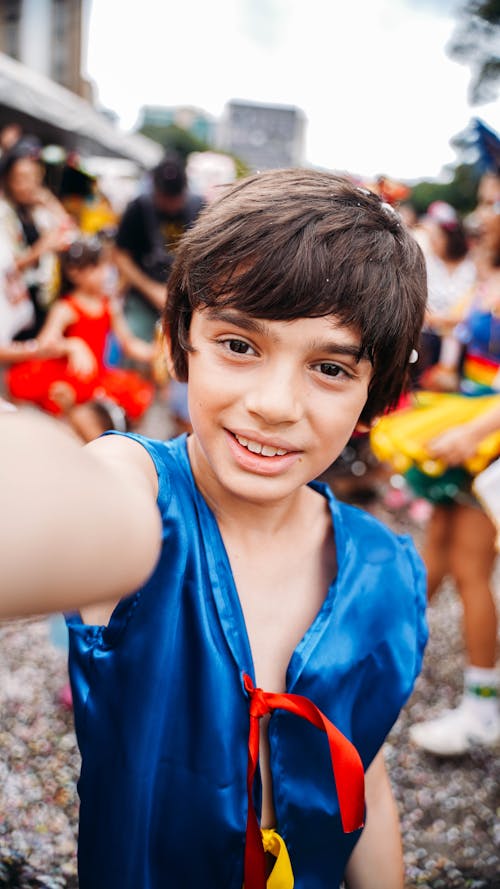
(329, 347)
(252, 325)
(238, 319)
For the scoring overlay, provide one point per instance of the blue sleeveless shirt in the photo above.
(162, 715)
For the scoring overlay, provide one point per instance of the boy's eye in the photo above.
(238, 346)
(330, 369)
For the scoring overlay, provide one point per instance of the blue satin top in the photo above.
(161, 711)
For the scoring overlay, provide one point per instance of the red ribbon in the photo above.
(347, 769)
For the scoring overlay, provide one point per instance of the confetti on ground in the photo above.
(449, 808)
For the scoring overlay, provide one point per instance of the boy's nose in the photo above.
(276, 397)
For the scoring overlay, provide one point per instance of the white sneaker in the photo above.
(456, 731)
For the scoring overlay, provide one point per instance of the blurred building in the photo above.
(47, 35)
(266, 137)
(42, 45)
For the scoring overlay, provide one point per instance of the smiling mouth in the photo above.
(256, 447)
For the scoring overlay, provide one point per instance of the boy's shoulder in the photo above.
(365, 544)
(168, 456)
(384, 570)
(176, 490)
(353, 521)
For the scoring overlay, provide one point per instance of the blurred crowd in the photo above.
(437, 454)
(82, 288)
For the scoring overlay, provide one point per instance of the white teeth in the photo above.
(256, 448)
(272, 452)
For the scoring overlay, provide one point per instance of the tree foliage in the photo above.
(174, 138)
(460, 192)
(476, 42)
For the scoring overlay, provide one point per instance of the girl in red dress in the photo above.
(77, 329)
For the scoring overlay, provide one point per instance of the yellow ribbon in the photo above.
(281, 876)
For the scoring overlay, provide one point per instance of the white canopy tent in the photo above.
(54, 114)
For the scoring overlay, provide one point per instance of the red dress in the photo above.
(32, 380)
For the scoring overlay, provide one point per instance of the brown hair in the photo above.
(78, 255)
(287, 244)
(456, 246)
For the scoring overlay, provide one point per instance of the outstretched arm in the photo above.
(50, 341)
(377, 859)
(78, 526)
(52, 241)
(460, 442)
(153, 291)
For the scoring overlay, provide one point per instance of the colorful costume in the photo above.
(163, 697)
(32, 380)
(400, 438)
(481, 367)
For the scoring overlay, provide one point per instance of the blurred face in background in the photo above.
(90, 279)
(438, 241)
(488, 212)
(169, 204)
(23, 181)
(9, 135)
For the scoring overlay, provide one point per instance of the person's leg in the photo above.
(472, 558)
(435, 549)
(477, 719)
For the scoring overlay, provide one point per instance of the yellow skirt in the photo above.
(400, 438)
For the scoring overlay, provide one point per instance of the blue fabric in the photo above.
(162, 715)
(481, 333)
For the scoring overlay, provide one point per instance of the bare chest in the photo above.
(280, 599)
(278, 609)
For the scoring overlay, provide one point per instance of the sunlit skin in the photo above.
(296, 386)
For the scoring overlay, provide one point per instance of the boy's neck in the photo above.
(253, 519)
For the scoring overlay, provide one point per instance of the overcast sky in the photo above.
(372, 77)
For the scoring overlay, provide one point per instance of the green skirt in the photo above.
(453, 486)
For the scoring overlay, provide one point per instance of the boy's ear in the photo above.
(165, 343)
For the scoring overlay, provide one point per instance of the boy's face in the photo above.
(272, 403)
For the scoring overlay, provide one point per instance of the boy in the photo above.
(294, 305)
